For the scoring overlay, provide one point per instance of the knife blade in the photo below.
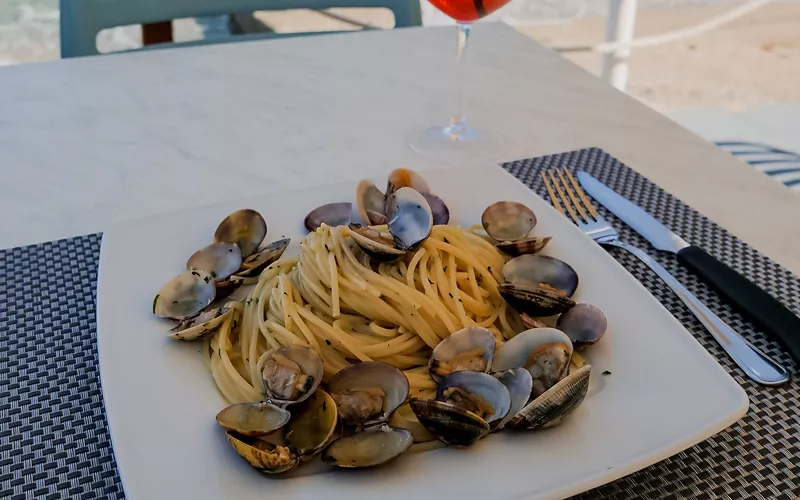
(747, 297)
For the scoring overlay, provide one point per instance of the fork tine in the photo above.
(582, 195)
(572, 197)
(563, 197)
(553, 196)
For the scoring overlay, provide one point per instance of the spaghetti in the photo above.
(349, 307)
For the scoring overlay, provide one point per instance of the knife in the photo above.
(748, 298)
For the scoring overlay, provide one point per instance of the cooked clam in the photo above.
(220, 260)
(404, 177)
(544, 352)
(266, 457)
(524, 246)
(508, 221)
(375, 244)
(369, 448)
(291, 373)
(245, 227)
(184, 295)
(332, 214)
(448, 423)
(535, 301)
(255, 263)
(201, 325)
(410, 218)
(584, 324)
(371, 203)
(519, 383)
(313, 424)
(253, 419)
(369, 392)
(539, 270)
(467, 349)
(558, 402)
(439, 210)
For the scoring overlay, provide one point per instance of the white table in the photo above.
(87, 142)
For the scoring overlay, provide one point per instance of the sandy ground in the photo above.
(753, 61)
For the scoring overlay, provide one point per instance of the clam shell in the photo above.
(439, 210)
(201, 325)
(548, 367)
(480, 384)
(255, 263)
(375, 244)
(253, 419)
(584, 324)
(310, 364)
(451, 425)
(266, 457)
(405, 177)
(332, 214)
(519, 383)
(531, 322)
(508, 220)
(460, 341)
(538, 269)
(369, 448)
(410, 218)
(246, 228)
(534, 300)
(371, 374)
(313, 424)
(555, 404)
(184, 295)
(227, 287)
(220, 260)
(404, 418)
(370, 203)
(524, 246)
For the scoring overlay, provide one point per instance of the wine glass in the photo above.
(456, 142)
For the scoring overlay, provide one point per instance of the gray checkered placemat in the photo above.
(54, 442)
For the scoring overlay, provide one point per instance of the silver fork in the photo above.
(563, 189)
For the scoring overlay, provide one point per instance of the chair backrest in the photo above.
(82, 20)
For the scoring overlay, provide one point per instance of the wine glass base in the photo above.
(456, 145)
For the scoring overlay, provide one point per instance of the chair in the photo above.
(783, 165)
(82, 20)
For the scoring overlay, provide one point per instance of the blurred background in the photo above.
(728, 70)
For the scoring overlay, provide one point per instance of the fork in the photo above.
(564, 190)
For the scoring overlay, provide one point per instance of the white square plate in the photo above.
(664, 394)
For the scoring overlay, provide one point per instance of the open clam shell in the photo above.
(544, 352)
(508, 220)
(405, 177)
(439, 210)
(255, 263)
(266, 457)
(495, 399)
(467, 349)
(369, 448)
(201, 325)
(536, 270)
(448, 423)
(371, 203)
(524, 246)
(368, 392)
(535, 301)
(290, 373)
(332, 214)
(558, 402)
(220, 260)
(410, 218)
(584, 324)
(519, 383)
(246, 228)
(375, 244)
(184, 295)
(253, 419)
(313, 424)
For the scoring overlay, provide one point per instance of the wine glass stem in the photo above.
(458, 125)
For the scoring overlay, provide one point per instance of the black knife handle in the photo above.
(750, 300)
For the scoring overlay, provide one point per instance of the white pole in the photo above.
(620, 26)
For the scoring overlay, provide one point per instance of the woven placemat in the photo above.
(54, 440)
